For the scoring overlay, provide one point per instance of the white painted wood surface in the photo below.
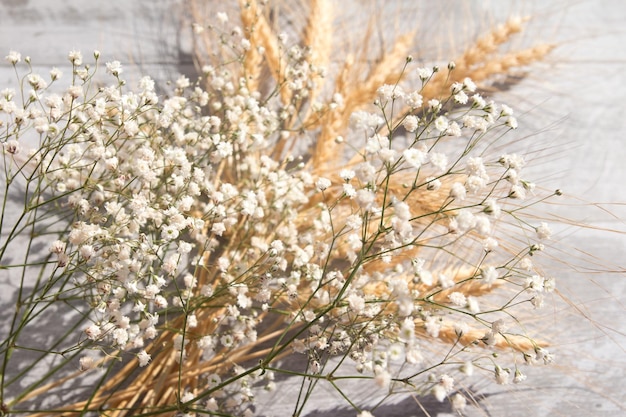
(575, 100)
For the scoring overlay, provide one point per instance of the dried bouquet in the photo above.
(372, 221)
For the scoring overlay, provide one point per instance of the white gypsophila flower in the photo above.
(415, 157)
(511, 122)
(144, 358)
(458, 191)
(467, 368)
(478, 101)
(356, 303)
(461, 97)
(458, 402)
(413, 355)
(349, 190)
(75, 57)
(492, 207)
(376, 143)
(465, 220)
(502, 375)
(498, 326)
(114, 68)
(382, 377)
(395, 351)
(182, 82)
(543, 231)
(535, 283)
(57, 247)
(433, 184)
(424, 73)
(482, 225)
(439, 392)
(458, 299)
(346, 174)
(439, 160)
(513, 161)
(13, 57)
(322, 183)
(489, 274)
(387, 155)
(362, 120)
(434, 105)
(87, 363)
(505, 110)
(386, 92)
(490, 244)
(93, 332)
(192, 321)
(36, 82)
(366, 173)
(447, 382)
(441, 123)
(519, 377)
(454, 129)
(432, 326)
(461, 328)
(517, 192)
(414, 100)
(469, 85)
(410, 123)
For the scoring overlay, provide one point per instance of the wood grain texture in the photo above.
(573, 114)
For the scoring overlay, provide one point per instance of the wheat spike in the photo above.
(318, 36)
(488, 44)
(261, 34)
(448, 334)
(357, 93)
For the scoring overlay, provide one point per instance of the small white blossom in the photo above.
(441, 123)
(511, 122)
(543, 231)
(439, 161)
(414, 100)
(57, 247)
(502, 375)
(458, 299)
(87, 363)
(322, 183)
(410, 123)
(76, 58)
(346, 174)
(143, 357)
(114, 68)
(13, 57)
(489, 274)
(458, 402)
(458, 191)
(415, 157)
(424, 73)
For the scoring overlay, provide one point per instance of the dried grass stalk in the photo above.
(488, 44)
(262, 35)
(318, 37)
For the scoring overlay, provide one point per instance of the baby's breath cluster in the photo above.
(199, 247)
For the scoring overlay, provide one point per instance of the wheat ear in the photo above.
(357, 93)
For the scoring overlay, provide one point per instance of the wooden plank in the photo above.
(584, 86)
